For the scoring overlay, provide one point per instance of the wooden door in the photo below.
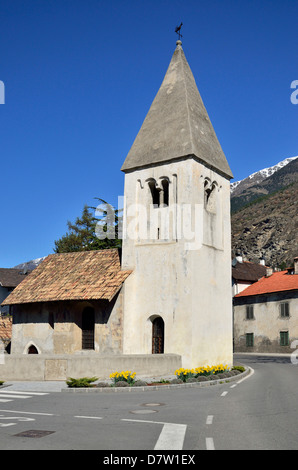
(158, 336)
(88, 328)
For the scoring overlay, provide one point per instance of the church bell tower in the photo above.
(177, 235)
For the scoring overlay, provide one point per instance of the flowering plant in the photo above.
(185, 374)
(126, 376)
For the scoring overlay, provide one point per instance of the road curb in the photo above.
(147, 388)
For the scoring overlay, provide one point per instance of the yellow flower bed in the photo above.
(126, 376)
(184, 374)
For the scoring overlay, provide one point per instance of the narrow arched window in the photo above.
(210, 195)
(154, 193)
(165, 193)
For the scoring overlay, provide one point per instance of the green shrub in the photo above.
(82, 382)
(1, 382)
(240, 368)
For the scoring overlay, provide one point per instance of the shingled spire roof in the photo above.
(177, 124)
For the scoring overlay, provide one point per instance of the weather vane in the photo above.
(177, 30)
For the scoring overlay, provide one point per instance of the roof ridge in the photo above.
(179, 48)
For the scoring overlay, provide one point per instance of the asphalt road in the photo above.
(259, 413)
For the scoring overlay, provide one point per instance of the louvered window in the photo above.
(249, 340)
(249, 312)
(284, 309)
(284, 338)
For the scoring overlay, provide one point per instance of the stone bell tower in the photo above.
(177, 229)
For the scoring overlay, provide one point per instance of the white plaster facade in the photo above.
(185, 278)
(268, 327)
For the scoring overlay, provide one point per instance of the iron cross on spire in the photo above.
(177, 30)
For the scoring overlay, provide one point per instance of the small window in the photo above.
(284, 309)
(284, 338)
(154, 193)
(32, 349)
(249, 312)
(165, 193)
(249, 340)
(210, 195)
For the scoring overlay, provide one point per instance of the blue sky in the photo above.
(80, 76)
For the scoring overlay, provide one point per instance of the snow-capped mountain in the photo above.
(255, 178)
(30, 265)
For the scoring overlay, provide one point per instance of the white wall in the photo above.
(185, 281)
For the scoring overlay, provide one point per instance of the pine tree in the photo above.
(92, 232)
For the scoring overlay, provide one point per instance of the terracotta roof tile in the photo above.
(277, 282)
(72, 276)
(5, 328)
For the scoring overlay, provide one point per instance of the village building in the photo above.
(170, 293)
(10, 278)
(70, 302)
(245, 273)
(265, 313)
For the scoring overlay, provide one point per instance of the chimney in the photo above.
(269, 272)
(239, 258)
(296, 265)
(262, 261)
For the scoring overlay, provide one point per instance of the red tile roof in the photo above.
(277, 282)
(72, 276)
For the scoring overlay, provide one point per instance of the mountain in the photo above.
(30, 265)
(263, 182)
(238, 186)
(265, 216)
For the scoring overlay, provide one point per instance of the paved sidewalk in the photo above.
(47, 386)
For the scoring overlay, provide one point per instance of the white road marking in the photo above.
(247, 376)
(13, 396)
(171, 437)
(210, 443)
(145, 421)
(16, 392)
(18, 418)
(223, 394)
(209, 419)
(233, 386)
(28, 413)
(88, 417)
(2, 400)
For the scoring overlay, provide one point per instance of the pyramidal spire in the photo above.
(177, 124)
